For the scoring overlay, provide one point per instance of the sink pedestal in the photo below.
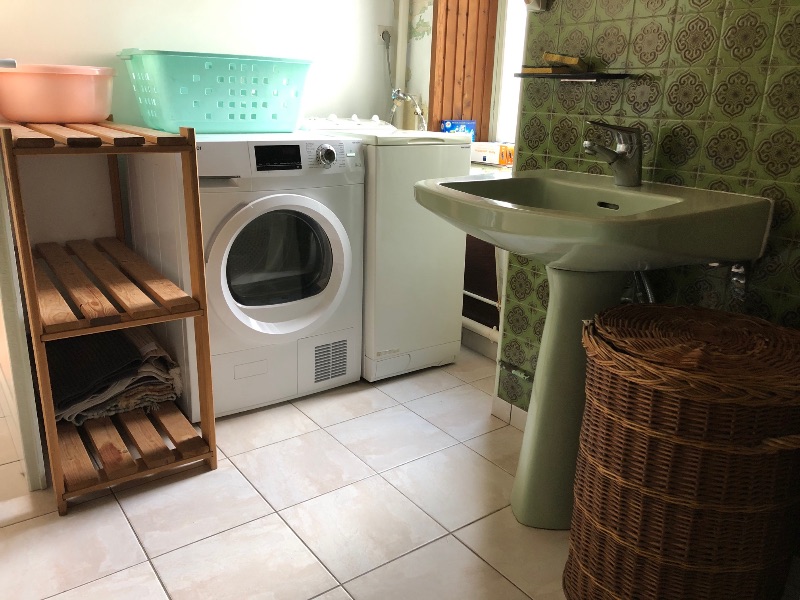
(542, 493)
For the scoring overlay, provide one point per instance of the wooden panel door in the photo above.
(462, 62)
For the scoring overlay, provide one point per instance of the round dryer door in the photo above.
(278, 266)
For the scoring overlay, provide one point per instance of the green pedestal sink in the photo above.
(590, 234)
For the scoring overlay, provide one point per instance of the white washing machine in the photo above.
(283, 219)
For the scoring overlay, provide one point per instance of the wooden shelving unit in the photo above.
(88, 287)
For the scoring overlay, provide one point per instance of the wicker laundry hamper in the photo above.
(688, 476)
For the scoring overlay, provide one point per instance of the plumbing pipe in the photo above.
(402, 45)
(482, 330)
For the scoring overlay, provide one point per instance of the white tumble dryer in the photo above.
(283, 219)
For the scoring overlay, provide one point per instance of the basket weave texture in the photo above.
(688, 473)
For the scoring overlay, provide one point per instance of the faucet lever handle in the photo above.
(630, 136)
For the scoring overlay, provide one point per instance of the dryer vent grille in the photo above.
(330, 360)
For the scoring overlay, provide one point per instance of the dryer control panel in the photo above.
(278, 161)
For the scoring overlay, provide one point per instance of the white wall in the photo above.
(348, 74)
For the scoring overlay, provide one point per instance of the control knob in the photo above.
(326, 155)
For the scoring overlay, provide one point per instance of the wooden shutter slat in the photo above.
(470, 66)
(491, 35)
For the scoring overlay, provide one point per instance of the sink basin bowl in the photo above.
(583, 222)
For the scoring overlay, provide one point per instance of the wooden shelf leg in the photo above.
(194, 235)
(27, 276)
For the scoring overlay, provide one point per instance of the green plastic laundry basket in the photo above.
(216, 93)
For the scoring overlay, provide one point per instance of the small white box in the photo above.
(485, 152)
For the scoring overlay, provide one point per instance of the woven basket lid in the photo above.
(691, 338)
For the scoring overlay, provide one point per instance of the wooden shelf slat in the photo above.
(148, 442)
(79, 471)
(66, 136)
(158, 286)
(28, 138)
(135, 302)
(123, 324)
(108, 135)
(89, 300)
(153, 136)
(117, 460)
(55, 313)
(179, 430)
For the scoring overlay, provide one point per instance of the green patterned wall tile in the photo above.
(515, 390)
(695, 286)
(727, 149)
(614, 10)
(695, 39)
(724, 183)
(534, 131)
(663, 285)
(771, 270)
(540, 296)
(695, 6)
(537, 96)
(610, 44)
(560, 163)
(577, 11)
(650, 43)
(787, 310)
(672, 177)
(777, 153)
(566, 136)
(792, 281)
(653, 8)
(540, 39)
(737, 95)
(747, 37)
(520, 353)
(604, 97)
(786, 49)
(576, 40)
(525, 161)
(570, 98)
(782, 97)
(517, 260)
(642, 95)
(550, 17)
(517, 318)
(759, 3)
(687, 93)
(679, 144)
(520, 284)
(786, 212)
(759, 302)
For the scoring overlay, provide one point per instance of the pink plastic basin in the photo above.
(55, 93)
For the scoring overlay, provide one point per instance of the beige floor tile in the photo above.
(500, 446)
(16, 502)
(51, 554)
(455, 486)
(404, 388)
(532, 559)
(7, 452)
(174, 511)
(261, 559)
(335, 594)
(344, 403)
(443, 570)
(252, 430)
(471, 366)
(136, 583)
(390, 437)
(486, 385)
(301, 468)
(361, 526)
(463, 412)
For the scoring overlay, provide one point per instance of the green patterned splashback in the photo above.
(716, 90)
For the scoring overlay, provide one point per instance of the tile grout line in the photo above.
(141, 545)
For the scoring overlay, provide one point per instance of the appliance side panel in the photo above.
(416, 271)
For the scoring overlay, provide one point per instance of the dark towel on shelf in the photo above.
(84, 365)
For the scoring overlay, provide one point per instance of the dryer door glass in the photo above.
(280, 256)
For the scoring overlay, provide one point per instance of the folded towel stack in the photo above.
(108, 373)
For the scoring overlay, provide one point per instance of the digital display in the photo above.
(278, 157)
